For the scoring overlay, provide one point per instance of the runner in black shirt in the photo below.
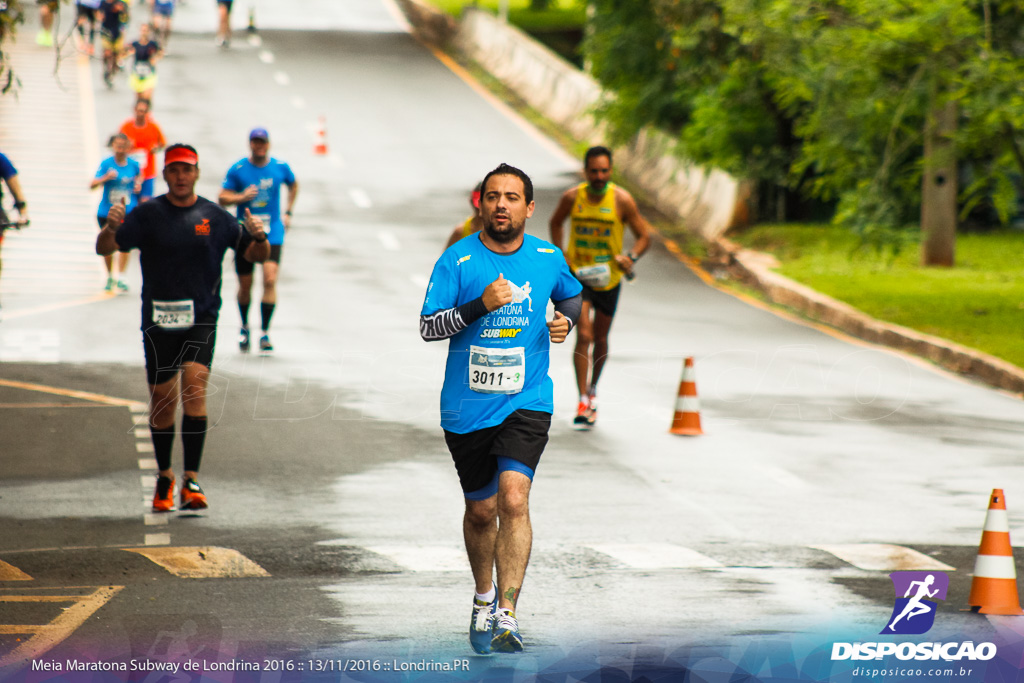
(181, 238)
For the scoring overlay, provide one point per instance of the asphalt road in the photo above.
(334, 528)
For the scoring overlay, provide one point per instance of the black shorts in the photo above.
(605, 301)
(515, 444)
(244, 266)
(167, 350)
(87, 12)
(227, 3)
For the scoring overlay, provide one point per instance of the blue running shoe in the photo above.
(480, 625)
(506, 632)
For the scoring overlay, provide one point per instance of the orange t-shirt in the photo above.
(144, 140)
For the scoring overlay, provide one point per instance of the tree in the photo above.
(829, 99)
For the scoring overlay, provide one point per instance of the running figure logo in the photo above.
(914, 614)
(521, 294)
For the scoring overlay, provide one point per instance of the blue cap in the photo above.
(259, 134)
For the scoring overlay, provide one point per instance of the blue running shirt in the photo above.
(267, 204)
(121, 186)
(499, 364)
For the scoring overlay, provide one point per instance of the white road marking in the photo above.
(389, 241)
(148, 481)
(138, 408)
(142, 432)
(425, 558)
(156, 519)
(255, 40)
(884, 557)
(157, 539)
(656, 556)
(144, 447)
(281, 78)
(361, 199)
(147, 464)
(266, 56)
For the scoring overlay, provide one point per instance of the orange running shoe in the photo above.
(582, 419)
(163, 499)
(192, 496)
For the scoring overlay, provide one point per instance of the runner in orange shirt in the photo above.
(147, 139)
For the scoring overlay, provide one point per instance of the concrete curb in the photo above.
(755, 269)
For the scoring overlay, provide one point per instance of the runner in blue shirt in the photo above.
(255, 184)
(488, 295)
(121, 178)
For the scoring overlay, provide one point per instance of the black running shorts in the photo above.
(521, 437)
(167, 350)
(606, 301)
(244, 266)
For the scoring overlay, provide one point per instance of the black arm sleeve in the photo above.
(451, 321)
(570, 308)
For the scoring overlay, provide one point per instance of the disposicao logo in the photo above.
(913, 614)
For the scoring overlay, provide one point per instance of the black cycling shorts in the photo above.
(605, 301)
(168, 350)
(520, 440)
(244, 266)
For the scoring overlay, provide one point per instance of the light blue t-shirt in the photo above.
(267, 204)
(499, 364)
(121, 186)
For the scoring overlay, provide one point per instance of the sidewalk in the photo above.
(47, 129)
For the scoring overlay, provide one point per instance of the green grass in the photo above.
(562, 14)
(978, 303)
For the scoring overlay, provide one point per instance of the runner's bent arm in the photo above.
(19, 197)
(293, 192)
(640, 228)
(450, 321)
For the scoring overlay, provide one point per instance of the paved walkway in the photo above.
(48, 131)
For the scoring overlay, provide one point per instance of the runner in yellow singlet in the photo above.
(472, 224)
(598, 211)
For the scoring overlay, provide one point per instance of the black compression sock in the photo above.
(193, 434)
(243, 310)
(163, 442)
(266, 313)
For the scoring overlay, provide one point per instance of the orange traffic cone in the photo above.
(320, 148)
(994, 588)
(686, 421)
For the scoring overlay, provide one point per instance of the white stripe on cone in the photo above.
(689, 374)
(997, 520)
(995, 567)
(687, 404)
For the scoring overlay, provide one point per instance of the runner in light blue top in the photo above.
(255, 184)
(121, 178)
(488, 296)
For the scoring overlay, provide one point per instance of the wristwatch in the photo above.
(261, 238)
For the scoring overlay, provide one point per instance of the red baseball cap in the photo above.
(180, 155)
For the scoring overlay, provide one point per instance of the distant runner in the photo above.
(254, 184)
(163, 12)
(87, 11)
(224, 23)
(147, 139)
(145, 54)
(120, 178)
(113, 18)
(472, 224)
(598, 209)
(181, 238)
(488, 295)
